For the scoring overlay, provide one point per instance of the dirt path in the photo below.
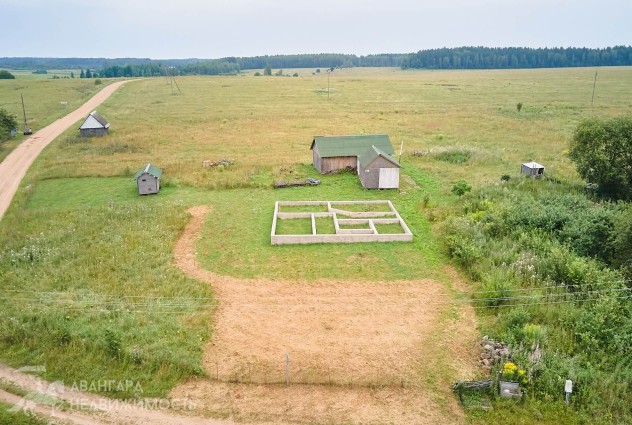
(380, 359)
(15, 165)
(360, 352)
(90, 409)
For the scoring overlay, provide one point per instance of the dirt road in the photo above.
(15, 165)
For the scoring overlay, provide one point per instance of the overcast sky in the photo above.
(217, 28)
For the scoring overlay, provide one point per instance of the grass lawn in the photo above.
(89, 248)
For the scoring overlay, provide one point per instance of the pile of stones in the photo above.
(492, 353)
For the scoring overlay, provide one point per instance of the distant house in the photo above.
(148, 179)
(334, 153)
(94, 125)
(378, 170)
(532, 169)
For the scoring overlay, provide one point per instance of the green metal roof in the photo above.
(372, 154)
(151, 169)
(330, 146)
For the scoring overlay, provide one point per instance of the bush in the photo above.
(6, 75)
(600, 150)
(461, 187)
(8, 122)
(98, 82)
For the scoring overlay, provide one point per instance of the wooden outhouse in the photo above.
(378, 170)
(335, 153)
(94, 125)
(148, 179)
(532, 169)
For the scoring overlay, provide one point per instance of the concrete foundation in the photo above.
(335, 209)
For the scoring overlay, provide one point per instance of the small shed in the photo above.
(148, 179)
(94, 125)
(334, 153)
(532, 169)
(378, 170)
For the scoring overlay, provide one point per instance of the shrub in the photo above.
(461, 187)
(519, 106)
(6, 75)
(98, 82)
(600, 150)
(8, 122)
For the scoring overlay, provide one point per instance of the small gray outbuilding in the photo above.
(378, 170)
(148, 179)
(532, 169)
(94, 125)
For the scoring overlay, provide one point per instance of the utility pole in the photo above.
(593, 94)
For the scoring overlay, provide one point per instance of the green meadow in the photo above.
(90, 287)
(43, 99)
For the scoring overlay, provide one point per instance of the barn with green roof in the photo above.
(369, 154)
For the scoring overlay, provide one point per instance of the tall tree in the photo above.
(8, 122)
(602, 152)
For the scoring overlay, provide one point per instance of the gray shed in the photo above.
(378, 170)
(532, 169)
(334, 153)
(148, 179)
(94, 125)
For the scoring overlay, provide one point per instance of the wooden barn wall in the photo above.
(338, 163)
(87, 132)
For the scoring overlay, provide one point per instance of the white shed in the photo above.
(532, 169)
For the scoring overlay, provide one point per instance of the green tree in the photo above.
(82, 74)
(267, 71)
(602, 152)
(6, 75)
(88, 73)
(72, 74)
(8, 122)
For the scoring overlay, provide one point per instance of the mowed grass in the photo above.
(42, 101)
(86, 245)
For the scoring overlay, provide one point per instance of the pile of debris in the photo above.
(493, 352)
(222, 162)
(280, 184)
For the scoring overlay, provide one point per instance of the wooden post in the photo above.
(287, 369)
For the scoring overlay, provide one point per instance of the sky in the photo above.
(160, 29)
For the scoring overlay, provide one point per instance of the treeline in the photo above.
(129, 70)
(517, 57)
(320, 60)
(78, 63)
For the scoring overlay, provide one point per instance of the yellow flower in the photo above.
(521, 372)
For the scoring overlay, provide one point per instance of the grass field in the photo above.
(78, 232)
(42, 101)
(28, 74)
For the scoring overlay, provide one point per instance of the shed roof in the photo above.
(355, 145)
(150, 169)
(372, 154)
(533, 164)
(94, 120)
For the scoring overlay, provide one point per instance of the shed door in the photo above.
(389, 178)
